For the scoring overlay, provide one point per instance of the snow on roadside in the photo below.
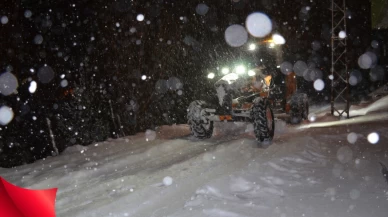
(307, 176)
(377, 106)
(311, 172)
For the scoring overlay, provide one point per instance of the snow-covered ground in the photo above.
(307, 171)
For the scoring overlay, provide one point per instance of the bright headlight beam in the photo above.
(240, 69)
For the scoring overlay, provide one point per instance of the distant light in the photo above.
(62, 76)
(251, 73)
(373, 138)
(278, 39)
(252, 47)
(33, 86)
(278, 67)
(331, 77)
(240, 69)
(143, 77)
(225, 71)
(342, 34)
(140, 17)
(211, 75)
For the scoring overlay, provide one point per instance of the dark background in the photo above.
(177, 45)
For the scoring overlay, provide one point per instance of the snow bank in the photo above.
(377, 106)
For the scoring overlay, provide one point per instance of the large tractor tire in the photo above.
(200, 126)
(299, 108)
(263, 120)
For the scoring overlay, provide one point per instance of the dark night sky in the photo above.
(103, 50)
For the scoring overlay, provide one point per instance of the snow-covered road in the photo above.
(332, 171)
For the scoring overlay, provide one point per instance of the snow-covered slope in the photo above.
(378, 105)
(305, 172)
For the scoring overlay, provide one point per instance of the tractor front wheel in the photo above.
(200, 126)
(263, 120)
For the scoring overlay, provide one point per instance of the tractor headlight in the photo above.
(225, 71)
(278, 39)
(211, 75)
(252, 47)
(240, 69)
(251, 73)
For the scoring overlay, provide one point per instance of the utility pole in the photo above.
(339, 69)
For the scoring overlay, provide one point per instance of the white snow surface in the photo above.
(379, 105)
(305, 172)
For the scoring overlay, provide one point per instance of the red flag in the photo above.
(20, 202)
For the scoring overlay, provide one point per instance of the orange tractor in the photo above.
(258, 96)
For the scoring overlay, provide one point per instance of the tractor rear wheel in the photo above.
(200, 126)
(263, 120)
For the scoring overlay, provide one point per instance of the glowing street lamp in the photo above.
(225, 71)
